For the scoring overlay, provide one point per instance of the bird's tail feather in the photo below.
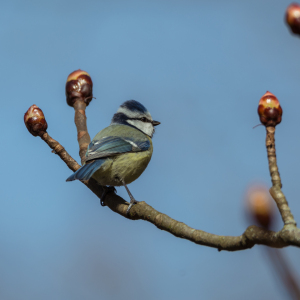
(86, 171)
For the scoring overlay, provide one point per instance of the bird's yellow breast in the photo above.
(126, 166)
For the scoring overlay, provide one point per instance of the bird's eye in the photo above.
(143, 119)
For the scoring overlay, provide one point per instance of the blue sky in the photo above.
(200, 67)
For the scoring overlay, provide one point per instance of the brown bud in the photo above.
(292, 17)
(35, 120)
(269, 110)
(260, 205)
(79, 85)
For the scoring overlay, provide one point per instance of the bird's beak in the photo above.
(155, 123)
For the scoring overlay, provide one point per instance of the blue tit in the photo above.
(120, 153)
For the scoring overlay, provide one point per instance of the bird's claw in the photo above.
(107, 190)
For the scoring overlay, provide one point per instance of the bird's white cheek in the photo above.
(147, 128)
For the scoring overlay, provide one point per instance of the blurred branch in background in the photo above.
(284, 272)
(260, 209)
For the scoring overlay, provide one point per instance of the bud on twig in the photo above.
(260, 206)
(35, 120)
(292, 17)
(269, 110)
(79, 86)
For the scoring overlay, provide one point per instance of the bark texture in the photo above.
(275, 190)
(83, 136)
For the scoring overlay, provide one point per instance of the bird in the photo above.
(120, 153)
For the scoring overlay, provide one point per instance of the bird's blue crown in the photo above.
(134, 105)
(128, 110)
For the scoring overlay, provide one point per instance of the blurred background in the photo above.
(200, 67)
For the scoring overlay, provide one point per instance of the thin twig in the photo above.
(60, 151)
(275, 190)
(83, 136)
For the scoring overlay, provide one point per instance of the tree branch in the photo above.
(289, 235)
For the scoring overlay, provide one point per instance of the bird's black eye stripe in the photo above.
(142, 119)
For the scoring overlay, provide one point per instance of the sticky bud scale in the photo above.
(269, 110)
(79, 86)
(35, 121)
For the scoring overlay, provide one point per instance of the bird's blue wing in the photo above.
(109, 146)
(114, 145)
(87, 170)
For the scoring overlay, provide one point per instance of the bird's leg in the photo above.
(107, 189)
(132, 200)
